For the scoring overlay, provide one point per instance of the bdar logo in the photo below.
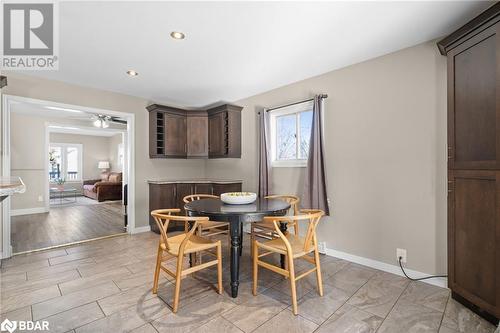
(8, 325)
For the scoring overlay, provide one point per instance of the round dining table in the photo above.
(237, 215)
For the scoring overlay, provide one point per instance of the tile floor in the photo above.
(105, 286)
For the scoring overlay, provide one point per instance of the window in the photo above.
(65, 161)
(290, 134)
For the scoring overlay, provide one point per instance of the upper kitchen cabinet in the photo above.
(178, 133)
(224, 131)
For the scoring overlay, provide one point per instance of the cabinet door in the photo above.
(175, 135)
(474, 237)
(216, 134)
(161, 196)
(473, 113)
(197, 136)
(182, 191)
(203, 189)
(218, 189)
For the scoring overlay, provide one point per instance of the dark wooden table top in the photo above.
(260, 207)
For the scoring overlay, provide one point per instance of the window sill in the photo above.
(289, 164)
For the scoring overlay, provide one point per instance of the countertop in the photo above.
(194, 181)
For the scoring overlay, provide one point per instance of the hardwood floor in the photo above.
(66, 224)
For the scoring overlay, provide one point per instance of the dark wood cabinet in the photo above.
(197, 134)
(170, 195)
(473, 54)
(175, 135)
(224, 123)
(178, 133)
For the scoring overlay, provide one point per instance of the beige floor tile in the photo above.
(68, 320)
(138, 279)
(350, 278)
(259, 309)
(193, 315)
(73, 300)
(303, 286)
(102, 267)
(377, 297)
(22, 300)
(126, 299)
(318, 309)
(461, 319)
(330, 267)
(129, 318)
(87, 282)
(409, 317)
(19, 314)
(67, 258)
(20, 287)
(147, 328)
(191, 291)
(219, 325)
(349, 319)
(25, 267)
(287, 322)
(427, 295)
(6, 279)
(51, 271)
(32, 257)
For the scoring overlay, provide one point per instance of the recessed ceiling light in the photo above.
(131, 72)
(177, 35)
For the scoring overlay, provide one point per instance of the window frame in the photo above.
(273, 116)
(64, 166)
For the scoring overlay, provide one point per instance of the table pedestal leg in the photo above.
(235, 255)
(283, 228)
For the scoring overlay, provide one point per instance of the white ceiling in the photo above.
(234, 50)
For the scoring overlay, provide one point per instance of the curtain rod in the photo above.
(322, 96)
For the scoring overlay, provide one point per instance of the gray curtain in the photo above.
(264, 151)
(315, 194)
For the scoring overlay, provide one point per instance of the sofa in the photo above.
(108, 187)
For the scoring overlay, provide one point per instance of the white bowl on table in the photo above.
(238, 198)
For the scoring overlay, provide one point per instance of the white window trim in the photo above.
(292, 109)
(80, 160)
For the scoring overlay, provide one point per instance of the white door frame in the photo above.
(7, 101)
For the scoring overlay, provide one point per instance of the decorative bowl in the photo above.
(238, 198)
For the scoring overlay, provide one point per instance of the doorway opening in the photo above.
(75, 164)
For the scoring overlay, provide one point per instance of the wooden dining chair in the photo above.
(266, 230)
(183, 244)
(293, 247)
(208, 228)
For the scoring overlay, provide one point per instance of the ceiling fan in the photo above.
(102, 120)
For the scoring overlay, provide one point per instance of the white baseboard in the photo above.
(27, 211)
(394, 269)
(138, 230)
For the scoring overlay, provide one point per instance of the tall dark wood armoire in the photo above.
(473, 54)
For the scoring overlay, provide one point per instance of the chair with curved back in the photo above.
(208, 228)
(266, 230)
(293, 247)
(183, 244)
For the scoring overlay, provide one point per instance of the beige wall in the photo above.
(385, 134)
(114, 142)
(28, 160)
(145, 168)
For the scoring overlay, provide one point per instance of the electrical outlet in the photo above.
(40, 198)
(401, 253)
(322, 247)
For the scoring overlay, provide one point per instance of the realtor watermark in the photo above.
(30, 32)
(24, 325)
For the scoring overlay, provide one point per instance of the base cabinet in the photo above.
(170, 195)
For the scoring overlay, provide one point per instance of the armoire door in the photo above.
(473, 112)
(474, 237)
